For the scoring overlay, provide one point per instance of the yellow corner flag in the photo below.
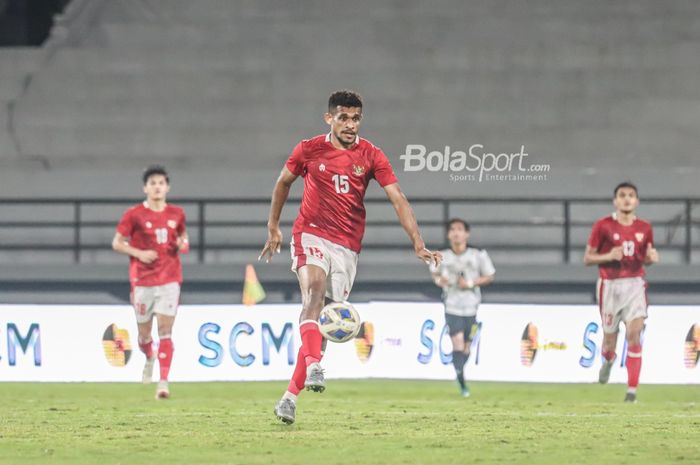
(253, 291)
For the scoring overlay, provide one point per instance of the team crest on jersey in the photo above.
(639, 236)
(616, 237)
(322, 167)
(358, 170)
(149, 224)
(172, 224)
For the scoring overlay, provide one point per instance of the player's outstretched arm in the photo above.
(120, 244)
(279, 198)
(408, 221)
(592, 257)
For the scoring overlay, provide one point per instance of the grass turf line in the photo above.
(354, 422)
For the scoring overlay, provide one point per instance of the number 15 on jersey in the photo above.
(342, 185)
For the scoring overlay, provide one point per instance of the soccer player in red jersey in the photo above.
(153, 234)
(327, 234)
(621, 244)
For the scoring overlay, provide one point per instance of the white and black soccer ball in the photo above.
(339, 322)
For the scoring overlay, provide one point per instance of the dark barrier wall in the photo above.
(27, 22)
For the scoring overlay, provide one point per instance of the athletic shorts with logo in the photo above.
(466, 325)
(339, 263)
(621, 300)
(149, 300)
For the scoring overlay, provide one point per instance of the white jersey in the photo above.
(472, 264)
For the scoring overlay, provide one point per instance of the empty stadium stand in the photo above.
(221, 90)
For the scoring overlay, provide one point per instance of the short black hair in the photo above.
(344, 98)
(154, 170)
(625, 184)
(460, 221)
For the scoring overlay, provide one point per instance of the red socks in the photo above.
(297, 382)
(310, 338)
(608, 355)
(634, 365)
(146, 348)
(165, 357)
(311, 341)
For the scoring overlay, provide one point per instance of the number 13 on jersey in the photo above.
(628, 248)
(342, 185)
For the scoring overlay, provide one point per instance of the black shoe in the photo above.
(631, 397)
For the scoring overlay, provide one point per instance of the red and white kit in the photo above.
(331, 223)
(621, 286)
(155, 286)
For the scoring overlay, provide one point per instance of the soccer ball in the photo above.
(339, 322)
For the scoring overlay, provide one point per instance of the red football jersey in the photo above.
(159, 231)
(335, 182)
(634, 239)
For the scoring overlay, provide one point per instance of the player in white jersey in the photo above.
(462, 273)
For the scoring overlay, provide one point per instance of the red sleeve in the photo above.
(126, 224)
(650, 240)
(383, 172)
(296, 160)
(595, 239)
(181, 228)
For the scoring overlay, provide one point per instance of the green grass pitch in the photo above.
(353, 422)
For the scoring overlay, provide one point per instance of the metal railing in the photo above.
(678, 223)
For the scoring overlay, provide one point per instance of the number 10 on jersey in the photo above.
(342, 185)
(161, 235)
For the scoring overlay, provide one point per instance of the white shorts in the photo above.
(148, 300)
(623, 299)
(339, 263)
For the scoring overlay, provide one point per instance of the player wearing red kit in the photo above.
(326, 238)
(621, 244)
(153, 234)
